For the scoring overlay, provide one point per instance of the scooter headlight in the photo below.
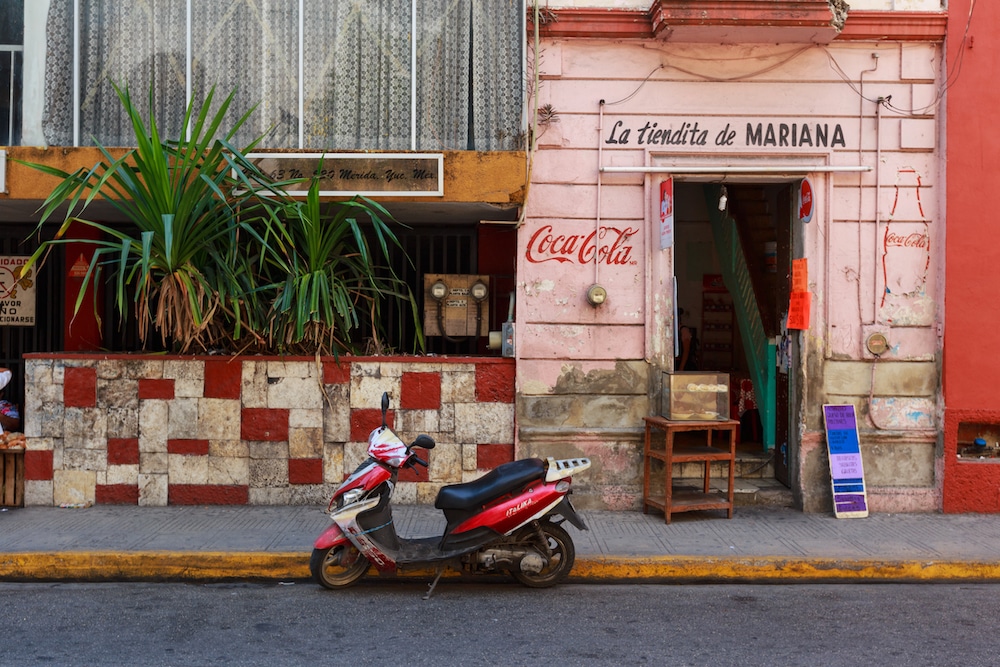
(353, 496)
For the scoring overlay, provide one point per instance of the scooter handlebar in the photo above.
(414, 459)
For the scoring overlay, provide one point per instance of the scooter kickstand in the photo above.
(430, 591)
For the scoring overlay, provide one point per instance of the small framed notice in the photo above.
(850, 499)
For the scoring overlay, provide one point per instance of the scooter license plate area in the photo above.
(513, 512)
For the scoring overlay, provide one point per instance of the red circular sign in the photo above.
(805, 200)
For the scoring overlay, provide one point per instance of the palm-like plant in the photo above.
(220, 256)
(330, 274)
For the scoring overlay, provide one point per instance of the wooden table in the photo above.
(689, 448)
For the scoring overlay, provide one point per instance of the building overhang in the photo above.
(741, 21)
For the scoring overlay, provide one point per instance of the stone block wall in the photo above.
(173, 430)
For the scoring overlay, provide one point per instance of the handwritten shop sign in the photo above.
(17, 292)
(751, 134)
(348, 174)
(850, 499)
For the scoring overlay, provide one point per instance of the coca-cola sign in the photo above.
(914, 240)
(606, 245)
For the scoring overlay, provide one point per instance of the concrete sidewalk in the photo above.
(772, 544)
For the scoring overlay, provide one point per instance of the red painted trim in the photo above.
(495, 384)
(207, 494)
(156, 389)
(491, 456)
(305, 471)
(38, 465)
(223, 379)
(420, 391)
(336, 372)
(123, 451)
(116, 494)
(80, 387)
(365, 420)
(270, 424)
(187, 446)
(667, 15)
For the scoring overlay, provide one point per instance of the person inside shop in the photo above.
(688, 359)
(10, 417)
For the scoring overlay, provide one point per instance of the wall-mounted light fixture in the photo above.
(596, 295)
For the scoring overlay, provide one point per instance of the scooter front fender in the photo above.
(330, 537)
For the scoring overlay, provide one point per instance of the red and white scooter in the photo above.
(506, 521)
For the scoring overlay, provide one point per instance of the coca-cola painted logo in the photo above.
(914, 240)
(607, 245)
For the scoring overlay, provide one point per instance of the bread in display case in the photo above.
(695, 395)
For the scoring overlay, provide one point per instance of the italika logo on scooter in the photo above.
(508, 521)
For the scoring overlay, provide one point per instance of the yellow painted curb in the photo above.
(778, 569)
(219, 566)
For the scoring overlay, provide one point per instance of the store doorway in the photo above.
(733, 248)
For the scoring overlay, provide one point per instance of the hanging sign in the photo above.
(850, 499)
(17, 292)
(666, 208)
(805, 200)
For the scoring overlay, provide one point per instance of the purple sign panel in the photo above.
(846, 470)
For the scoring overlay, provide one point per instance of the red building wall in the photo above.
(972, 276)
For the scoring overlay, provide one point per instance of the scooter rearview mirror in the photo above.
(385, 406)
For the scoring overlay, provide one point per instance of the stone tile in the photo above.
(333, 463)
(153, 463)
(83, 459)
(143, 368)
(446, 463)
(367, 390)
(123, 422)
(122, 474)
(411, 423)
(184, 369)
(73, 487)
(306, 418)
(262, 449)
(118, 393)
(218, 418)
(470, 458)
(305, 443)
(427, 492)
(269, 496)
(295, 392)
(484, 423)
(182, 418)
(354, 454)
(46, 421)
(309, 494)
(153, 490)
(85, 428)
(458, 386)
(189, 388)
(254, 384)
(268, 473)
(184, 469)
(405, 493)
(228, 470)
(337, 414)
(38, 493)
(277, 368)
(44, 444)
(229, 448)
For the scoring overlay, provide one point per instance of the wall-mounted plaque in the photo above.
(347, 174)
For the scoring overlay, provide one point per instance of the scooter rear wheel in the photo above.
(338, 566)
(560, 561)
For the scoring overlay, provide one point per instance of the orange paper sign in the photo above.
(799, 307)
(800, 275)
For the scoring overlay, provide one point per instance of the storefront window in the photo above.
(364, 85)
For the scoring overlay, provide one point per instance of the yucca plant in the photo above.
(328, 276)
(219, 256)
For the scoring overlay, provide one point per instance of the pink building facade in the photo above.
(817, 135)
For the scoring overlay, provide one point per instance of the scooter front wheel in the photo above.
(338, 566)
(561, 555)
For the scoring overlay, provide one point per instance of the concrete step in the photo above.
(747, 492)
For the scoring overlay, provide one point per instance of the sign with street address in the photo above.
(17, 292)
(850, 499)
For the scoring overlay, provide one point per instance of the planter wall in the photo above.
(173, 430)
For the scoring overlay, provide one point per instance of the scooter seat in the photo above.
(493, 484)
